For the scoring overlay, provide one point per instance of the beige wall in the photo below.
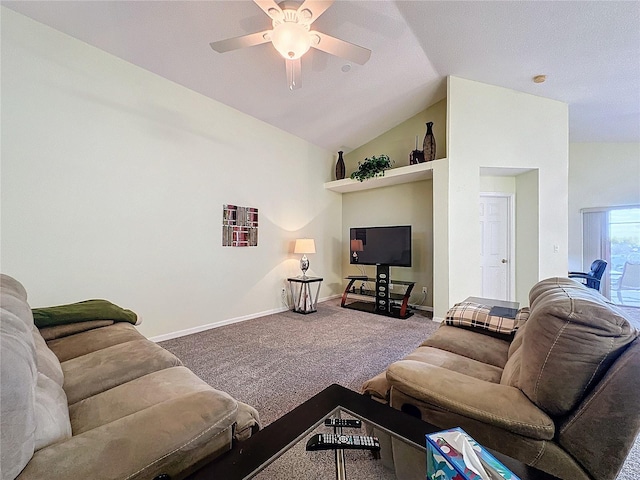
(398, 142)
(490, 183)
(600, 175)
(488, 128)
(493, 127)
(407, 204)
(113, 181)
(527, 234)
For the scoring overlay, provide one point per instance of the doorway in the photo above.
(497, 245)
(613, 234)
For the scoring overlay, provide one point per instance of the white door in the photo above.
(495, 250)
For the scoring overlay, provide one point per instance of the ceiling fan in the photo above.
(292, 37)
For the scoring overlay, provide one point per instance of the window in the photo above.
(613, 234)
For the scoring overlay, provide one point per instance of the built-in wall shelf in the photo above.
(393, 176)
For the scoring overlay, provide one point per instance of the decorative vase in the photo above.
(340, 170)
(429, 144)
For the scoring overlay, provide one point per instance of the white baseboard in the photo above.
(209, 326)
(330, 297)
(422, 307)
(229, 321)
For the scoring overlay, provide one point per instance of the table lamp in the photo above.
(356, 246)
(304, 246)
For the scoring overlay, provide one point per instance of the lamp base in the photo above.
(304, 265)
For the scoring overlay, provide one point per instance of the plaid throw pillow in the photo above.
(470, 314)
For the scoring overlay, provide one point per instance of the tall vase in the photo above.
(340, 170)
(429, 144)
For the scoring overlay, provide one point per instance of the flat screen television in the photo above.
(381, 246)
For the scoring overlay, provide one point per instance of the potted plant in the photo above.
(371, 167)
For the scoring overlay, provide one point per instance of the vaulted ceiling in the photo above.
(589, 50)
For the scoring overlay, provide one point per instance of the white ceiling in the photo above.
(589, 50)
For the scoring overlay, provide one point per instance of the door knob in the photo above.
(504, 260)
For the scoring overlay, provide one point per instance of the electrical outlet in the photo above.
(424, 290)
(283, 291)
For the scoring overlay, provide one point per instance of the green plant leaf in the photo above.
(371, 167)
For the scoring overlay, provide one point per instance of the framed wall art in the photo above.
(239, 226)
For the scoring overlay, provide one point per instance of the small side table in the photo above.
(301, 294)
(499, 308)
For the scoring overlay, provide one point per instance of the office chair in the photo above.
(592, 278)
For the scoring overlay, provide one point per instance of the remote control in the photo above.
(330, 441)
(340, 422)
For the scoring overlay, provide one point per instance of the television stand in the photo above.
(385, 303)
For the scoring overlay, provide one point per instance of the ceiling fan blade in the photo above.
(315, 8)
(240, 42)
(294, 78)
(340, 48)
(270, 7)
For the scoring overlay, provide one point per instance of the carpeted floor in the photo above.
(275, 363)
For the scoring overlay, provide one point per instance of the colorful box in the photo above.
(446, 461)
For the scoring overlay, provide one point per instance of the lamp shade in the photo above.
(357, 246)
(291, 40)
(305, 245)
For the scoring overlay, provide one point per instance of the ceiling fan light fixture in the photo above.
(274, 13)
(291, 40)
(305, 14)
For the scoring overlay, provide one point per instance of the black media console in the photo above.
(386, 303)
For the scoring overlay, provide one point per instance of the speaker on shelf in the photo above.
(383, 303)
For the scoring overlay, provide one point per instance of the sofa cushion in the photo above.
(51, 413)
(468, 343)
(47, 362)
(93, 340)
(18, 377)
(133, 396)
(163, 438)
(549, 285)
(517, 341)
(609, 412)
(9, 285)
(530, 449)
(456, 363)
(20, 308)
(109, 367)
(51, 333)
(51, 408)
(511, 372)
(572, 337)
(488, 402)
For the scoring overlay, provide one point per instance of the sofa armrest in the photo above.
(503, 406)
(247, 422)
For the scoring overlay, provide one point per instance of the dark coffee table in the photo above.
(291, 432)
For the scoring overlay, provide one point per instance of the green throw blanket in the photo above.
(82, 312)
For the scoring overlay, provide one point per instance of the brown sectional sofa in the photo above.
(96, 399)
(561, 395)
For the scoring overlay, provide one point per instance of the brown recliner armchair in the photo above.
(562, 396)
